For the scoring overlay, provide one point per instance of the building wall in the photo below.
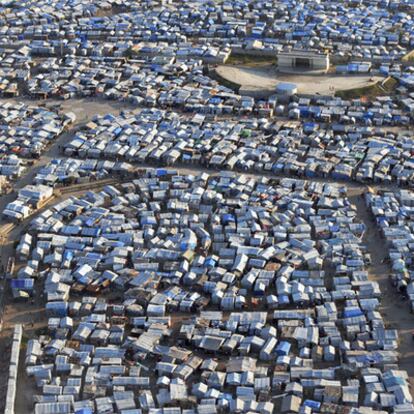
(316, 62)
(286, 61)
(321, 62)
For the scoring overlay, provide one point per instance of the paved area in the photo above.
(266, 78)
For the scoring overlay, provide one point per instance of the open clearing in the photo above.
(264, 80)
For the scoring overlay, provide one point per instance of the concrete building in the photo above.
(299, 60)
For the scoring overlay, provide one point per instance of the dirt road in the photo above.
(394, 309)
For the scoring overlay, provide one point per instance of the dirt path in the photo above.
(394, 309)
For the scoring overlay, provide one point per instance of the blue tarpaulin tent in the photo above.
(283, 348)
(24, 284)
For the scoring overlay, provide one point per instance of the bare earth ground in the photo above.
(266, 78)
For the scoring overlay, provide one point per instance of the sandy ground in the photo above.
(266, 78)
